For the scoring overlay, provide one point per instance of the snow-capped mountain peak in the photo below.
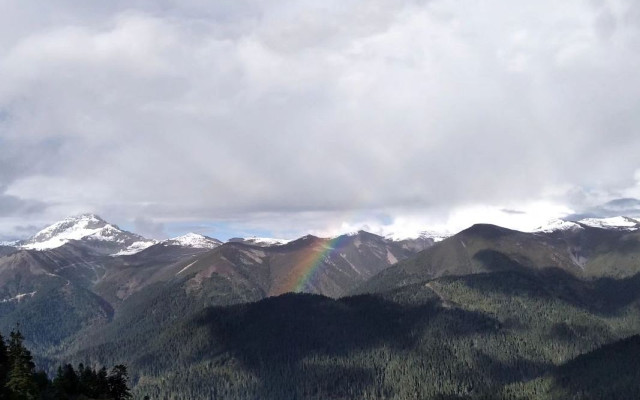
(556, 225)
(70, 228)
(89, 228)
(619, 223)
(75, 227)
(193, 240)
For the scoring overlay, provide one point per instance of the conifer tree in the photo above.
(102, 381)
(4, 368)
(66, 381)
(118, 388)
(20, 381)
(88, 381)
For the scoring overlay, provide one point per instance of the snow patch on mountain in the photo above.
(426, 234)
(349, 233)
(193, 240)
(135, 247)
(18, 297)
(620, 223)
(265, 241)
(558, 225)
(185, 268)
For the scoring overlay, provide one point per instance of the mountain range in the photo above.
(93, 269)
(488, 311)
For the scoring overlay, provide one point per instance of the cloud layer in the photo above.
(299, 115)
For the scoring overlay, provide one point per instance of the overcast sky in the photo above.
(286, 117)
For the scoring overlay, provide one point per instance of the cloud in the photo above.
(15, 206)
(229, 111)
(515, 212)
(628, 207)
(11, 205)
(149, 228)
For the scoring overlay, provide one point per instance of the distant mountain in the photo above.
(152, 289)
(259, 241)
(157, 265)
(558, 225)
(329, 266)
(193, 240)
(92, 231)
(620, 223)
(433, 235)
(180, 275)
(577, 248)
(419, 242)
(613, 223)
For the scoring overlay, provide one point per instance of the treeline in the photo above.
(20, 381)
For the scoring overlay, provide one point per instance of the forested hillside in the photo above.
(505, 334)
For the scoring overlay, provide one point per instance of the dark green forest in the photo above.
(501, 335)
(19, 379)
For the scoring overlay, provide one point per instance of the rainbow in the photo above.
(307, 267)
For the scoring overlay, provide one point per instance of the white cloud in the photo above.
(304, 110)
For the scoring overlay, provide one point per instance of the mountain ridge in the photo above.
(91, 227)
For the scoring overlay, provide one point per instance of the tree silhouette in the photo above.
(21, 382)
(118, 388)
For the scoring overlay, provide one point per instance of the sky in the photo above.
(280, 118)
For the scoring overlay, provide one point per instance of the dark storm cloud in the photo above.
(305, 112)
